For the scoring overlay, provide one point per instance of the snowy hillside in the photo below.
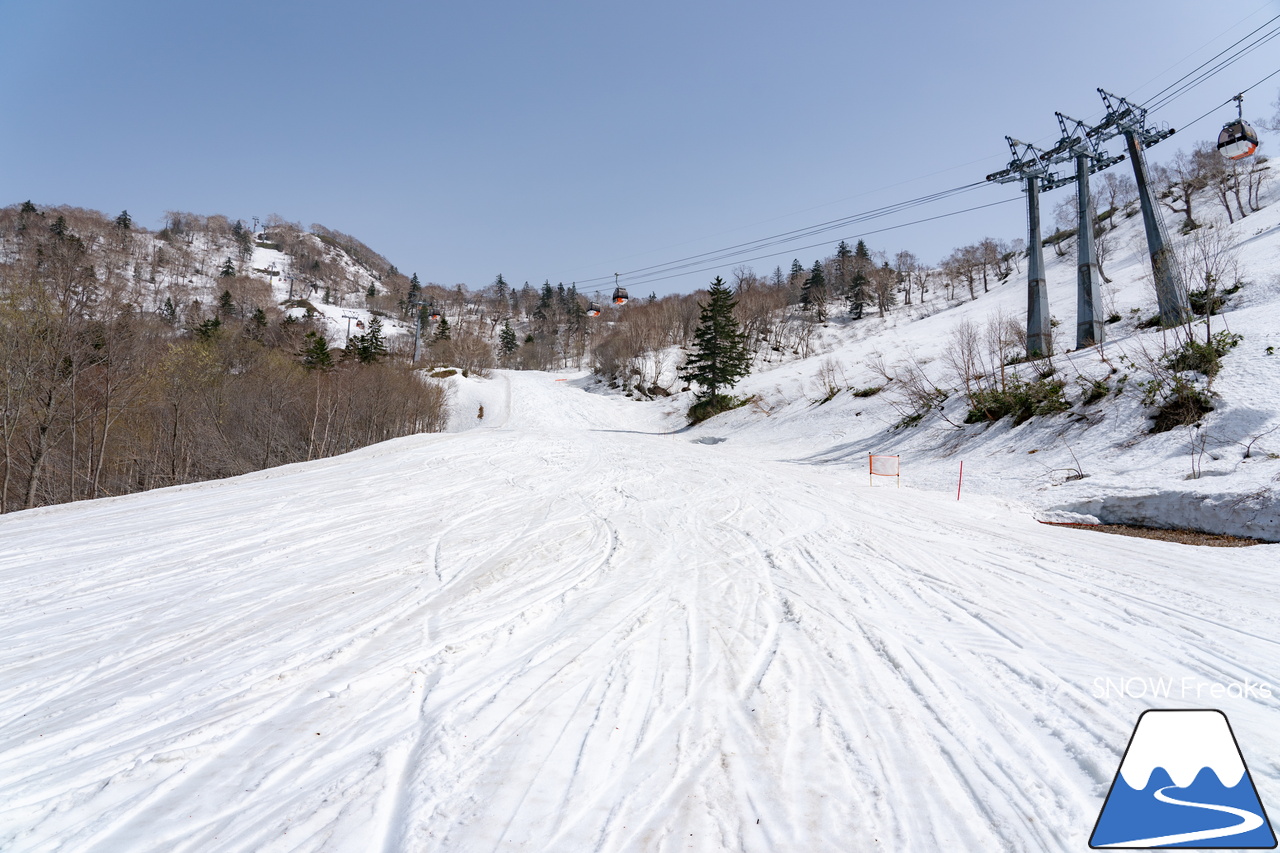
(570, 628)
(1192, 476)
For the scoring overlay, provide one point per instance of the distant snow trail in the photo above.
(569, 629)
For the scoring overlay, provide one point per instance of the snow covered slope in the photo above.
(570, 628)
(1221, 475)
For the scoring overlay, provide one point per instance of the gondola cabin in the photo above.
(593, 309)
(433, 314)
(1237, 140)
(619, 296)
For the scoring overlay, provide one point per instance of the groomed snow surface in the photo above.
(572, 628)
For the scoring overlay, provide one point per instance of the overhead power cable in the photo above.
(731, 252)
(1214, 65)
(660, 276)
(1217, 107)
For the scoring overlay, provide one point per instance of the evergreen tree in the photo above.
(719, 358)
(501, 287)
(208, 330)
(797, 271)
(844, 269)
(442, 330)
(507, 343)
(28, 207)
(543, 310)
(228, 269)
(859, 284)
(857, 294)
(372, 347)
(813, 294)
(168, 311)
(415, 288)
(315, 353)
(124, 222)
(257, 323)
(226, 305)
(244, 240)
(371, 292)
(59, 226)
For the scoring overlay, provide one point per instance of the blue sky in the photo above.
(571, 140)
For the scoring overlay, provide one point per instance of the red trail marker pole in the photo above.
(961, 480)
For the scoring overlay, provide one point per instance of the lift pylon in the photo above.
(1079, 142)
(1130, 120)
(1029, 168)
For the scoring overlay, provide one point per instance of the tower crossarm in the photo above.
(1126, 117)
(1028, 161)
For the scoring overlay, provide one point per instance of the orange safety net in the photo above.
(883, 466)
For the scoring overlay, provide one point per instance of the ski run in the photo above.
(575, 628)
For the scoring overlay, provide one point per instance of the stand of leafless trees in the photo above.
(106, 389)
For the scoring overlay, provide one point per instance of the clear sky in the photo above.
(571, 140)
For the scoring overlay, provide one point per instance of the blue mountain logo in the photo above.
(1183, 783)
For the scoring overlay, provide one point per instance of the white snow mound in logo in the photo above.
(1183, 743)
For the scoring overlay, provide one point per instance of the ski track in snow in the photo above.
(570, 629)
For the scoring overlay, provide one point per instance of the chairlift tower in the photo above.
(1131, 120)
(1079, 142)
(417, 306)
(1029, 168)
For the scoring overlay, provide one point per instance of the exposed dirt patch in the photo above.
(1185, 537)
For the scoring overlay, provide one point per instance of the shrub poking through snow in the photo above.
(1183, 405)
(1024, 400)
(716, 404)
(1205, 357)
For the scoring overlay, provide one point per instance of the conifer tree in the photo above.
(228, 269)
(857, 294)
(124, 222)
(843, 270)
(208, 330)
(257, 323)
(797, 271)
(169, 311)
(442, 330)
(507, 343)
(814, 292)
(859, 285)
(719, 358)
(372, 347)
(315, 353)
(226, 305)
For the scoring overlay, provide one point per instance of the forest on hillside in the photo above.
(116, 379)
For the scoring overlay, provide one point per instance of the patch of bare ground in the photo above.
(1185, 537)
